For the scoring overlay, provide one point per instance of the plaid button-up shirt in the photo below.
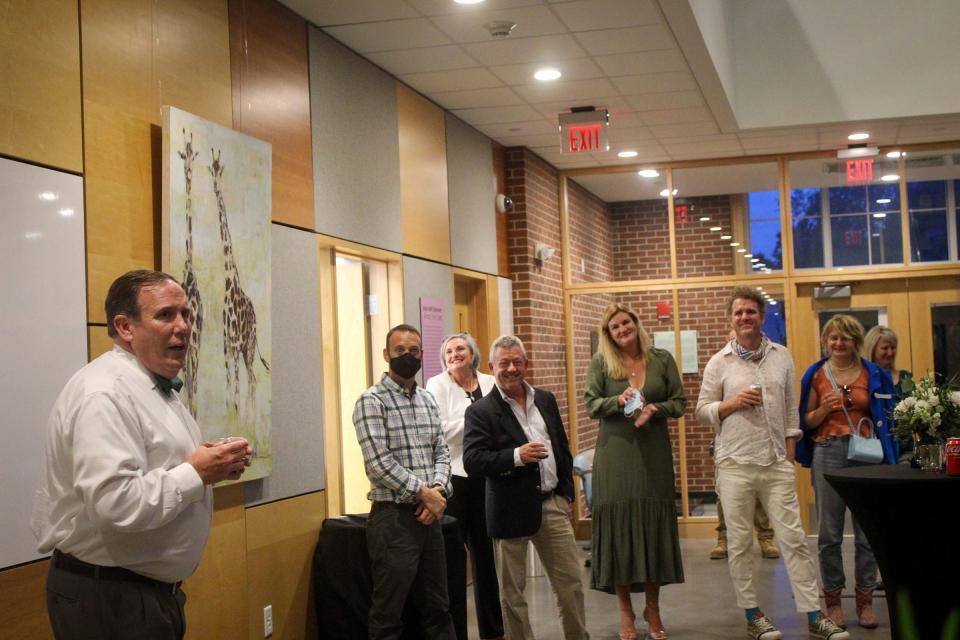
(401, 439)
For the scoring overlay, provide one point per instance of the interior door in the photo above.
(871, 300)
(934, 305)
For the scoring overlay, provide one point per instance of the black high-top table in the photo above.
(911, 519)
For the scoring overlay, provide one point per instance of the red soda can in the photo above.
(953, 456)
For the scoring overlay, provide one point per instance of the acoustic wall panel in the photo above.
(297, 430)
(505, 286)
(268, 50)
(355, 148)
(424, 279)
(137, 57)
(44, 319)
(423, 176)
(40, 82)
(473, 193)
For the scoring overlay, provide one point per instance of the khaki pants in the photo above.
(740, 486)
(557, 549)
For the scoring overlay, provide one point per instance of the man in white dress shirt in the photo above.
(125, 496)
(748, 394)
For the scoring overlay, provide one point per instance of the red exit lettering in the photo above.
(585, 138)
(859, 170)
(853, 238)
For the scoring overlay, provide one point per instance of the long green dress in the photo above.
(635, 536)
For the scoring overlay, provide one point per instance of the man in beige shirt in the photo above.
(748, 394)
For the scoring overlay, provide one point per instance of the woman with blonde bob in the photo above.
(858, 389)
(636, 545)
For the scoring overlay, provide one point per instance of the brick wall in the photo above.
(592, 241)
(537, 289)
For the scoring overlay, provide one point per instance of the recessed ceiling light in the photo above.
(664, 193)
(741, 250)
(66, 212)
(547, 74)
(861, 135)
(734, 244)
(704, 218)
(896, 154)
(750, 255)
(49, 196)
(648, 173)
(468, 1)
(627, 153)
(879, 215)
(715, 228)
(725, 237)
(755, 260)
(32, 235)
(761, 265)
(890, 177)
(773, 303)
(883, 201)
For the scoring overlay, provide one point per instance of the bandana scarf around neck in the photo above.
(757, 354)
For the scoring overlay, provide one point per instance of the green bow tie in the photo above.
(166, 385)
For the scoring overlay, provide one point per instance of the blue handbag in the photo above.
(865, 449)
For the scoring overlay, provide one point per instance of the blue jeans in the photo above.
(829, 455)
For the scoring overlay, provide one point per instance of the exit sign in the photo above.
(859, 171)
(584, 131)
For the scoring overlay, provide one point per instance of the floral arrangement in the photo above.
(930, 411)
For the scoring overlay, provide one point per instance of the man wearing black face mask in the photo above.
(408, 463)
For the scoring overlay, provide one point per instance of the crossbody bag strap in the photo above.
(833, 383)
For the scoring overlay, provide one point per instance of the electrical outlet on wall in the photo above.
(268, 621)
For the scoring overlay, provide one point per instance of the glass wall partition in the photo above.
(618, 225)
(587, 312)
(845, 215)
(728, 220)
(933, 184)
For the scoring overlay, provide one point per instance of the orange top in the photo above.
(856, 398)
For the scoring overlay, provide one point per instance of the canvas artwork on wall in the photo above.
(216, 241)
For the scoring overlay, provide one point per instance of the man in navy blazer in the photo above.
(514, 436)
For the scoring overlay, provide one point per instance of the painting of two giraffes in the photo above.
(216, 240)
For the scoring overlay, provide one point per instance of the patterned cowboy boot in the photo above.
(834, 607)
(865, 615)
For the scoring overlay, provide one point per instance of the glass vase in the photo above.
(930, 456)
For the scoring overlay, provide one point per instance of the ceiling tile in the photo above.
(630, 134)
(541, 49)
(575, 69)
(769, 133)
(719, 146)
(655, 83)
(408, 61)
(606, 14)
(494, 97)
(672, 100)
(489, 115)
(613, 104)
(628, 64)
(666, 131)
(672, 116)
(452, 80)
(707, 155)
(445, 7)
(389, 35)
(532, 127)
(628, 40)
(539, 140)
(530, 21)
(577, 92)
(796, 142)
(333, 12)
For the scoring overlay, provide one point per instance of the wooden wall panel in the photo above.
(281, 537)
(217, 593)
(423, 176)
(271, 98)
(137, 57)
(98, 342)
(23, 599)
(40, 82)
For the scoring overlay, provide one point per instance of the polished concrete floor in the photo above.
(704, 607)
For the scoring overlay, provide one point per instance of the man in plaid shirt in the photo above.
(408, 464)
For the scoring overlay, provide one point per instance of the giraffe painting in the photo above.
(239, 315)
(190, 283)
(217, 237)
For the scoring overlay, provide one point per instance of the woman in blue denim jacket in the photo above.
(864, 390)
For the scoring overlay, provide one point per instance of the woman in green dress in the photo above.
(636, 544)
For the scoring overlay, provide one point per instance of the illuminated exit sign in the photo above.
(584, 131)
(859, 171)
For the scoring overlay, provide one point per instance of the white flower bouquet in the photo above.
(930, 412)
